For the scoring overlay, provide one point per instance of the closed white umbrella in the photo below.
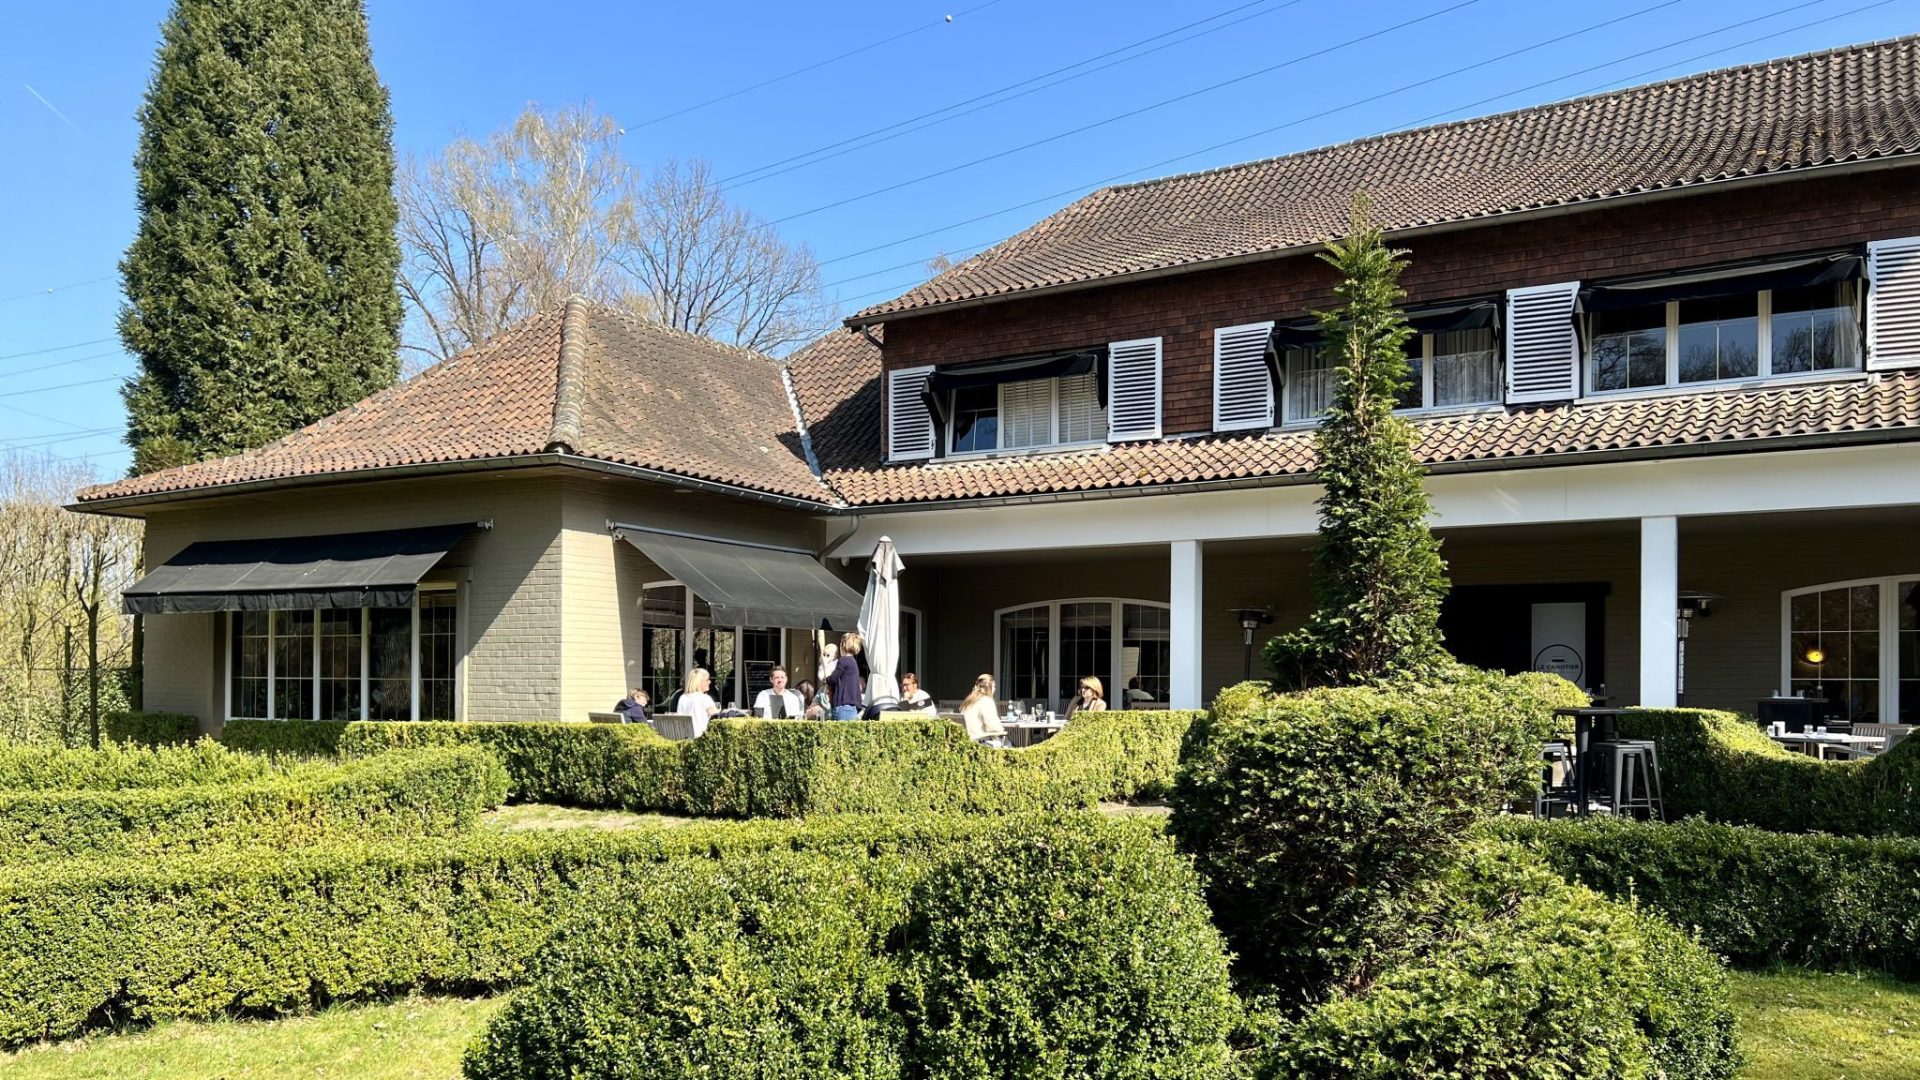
(880, 622)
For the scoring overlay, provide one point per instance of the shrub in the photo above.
(261, 932)
(1759, 898)
(751, 967)
(1312, 814)
(422, 793)
(612, 766)
(297, 738)
(114, 767)
(1723, 767)
(1080, 950)
(151, 728)
(1525, 977)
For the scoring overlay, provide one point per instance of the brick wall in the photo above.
(1713, 226)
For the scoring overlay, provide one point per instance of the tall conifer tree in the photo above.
(261, 288)
(1377, 574)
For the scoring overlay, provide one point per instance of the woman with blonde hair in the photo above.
(1091, 697)
(844, 681)
(696, 702)
(981, 715)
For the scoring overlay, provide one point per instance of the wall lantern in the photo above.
(1251, 619)
(1692, 605)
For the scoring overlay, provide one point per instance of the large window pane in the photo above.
(1466, 368)
(390, 664)
(340, 665)
(976, 419)
(1720, 338)
(1815, 329)
(1026, 414)
(713, 649)
(1024, 649)
(1907, 623)
(1834, 650)
(1412, 393)
(1630, 348)
(438, 655)
(1146, 658)
(759, 652)
(249, 664)
(663, 620)
(293, 665)
(1309, 389)
(1086, 648)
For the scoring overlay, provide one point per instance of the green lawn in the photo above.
(1804, 1026)
(412, 1039)
(1794, 1025)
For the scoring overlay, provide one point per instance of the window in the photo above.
(677, 633)
(1308, 388)
(345, 663)
(1725, 338)
(1027, 415)
(1044, 650)
(1453, 369)
(910, 655)
(1856, 644)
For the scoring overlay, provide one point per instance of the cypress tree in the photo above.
(1378, 578)
(261, 288)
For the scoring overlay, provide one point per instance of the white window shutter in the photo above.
(909, 424)
(1893, 303)
(1242, 382)
(1133, 390)
(1543, 354)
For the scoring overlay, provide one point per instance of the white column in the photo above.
(1187, 623)
(1659, 618)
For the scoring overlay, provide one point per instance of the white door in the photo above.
(1560, 641)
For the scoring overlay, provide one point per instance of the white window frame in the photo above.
(739, 686)
(1763, 343)
(1286, 418)
(366, 619)
(1889, 629)
(1428, 408)
(1055, 427)
(918, 660)
(1118, 615)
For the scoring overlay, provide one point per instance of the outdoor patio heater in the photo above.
(1693, 605)
(1251, 619)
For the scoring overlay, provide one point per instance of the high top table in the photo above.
(1584, 722)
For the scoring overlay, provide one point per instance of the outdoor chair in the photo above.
(1893, 733)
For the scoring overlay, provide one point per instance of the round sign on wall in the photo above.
(1562, 660)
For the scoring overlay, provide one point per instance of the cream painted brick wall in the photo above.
(510, 600)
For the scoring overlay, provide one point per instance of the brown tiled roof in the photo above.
(837, 382)
(595, 382)
(1727, 420)
(1843, 105)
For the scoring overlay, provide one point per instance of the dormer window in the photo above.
(1027, 415)
(1453, 362)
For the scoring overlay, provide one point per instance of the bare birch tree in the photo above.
(100, 554)
(497, 229)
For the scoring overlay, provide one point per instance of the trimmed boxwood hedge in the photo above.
(1758, 898)
(151, 728)
(114, 767)
(414, 793)
(85, 942)
(1723, 767)
(782, 768)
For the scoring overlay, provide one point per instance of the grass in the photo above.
(1794, 1025)
(521, 817)
(411, 1039)
(1799, 1025)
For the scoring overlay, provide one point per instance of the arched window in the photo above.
(1042, 651)
(1857, 645)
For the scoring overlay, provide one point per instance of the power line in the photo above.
(43, 416)
(56, 348)
(1085, 187)
(1161, 104)
(64, 386)
(53, 289)
(61, 363)
(895, 130)
(910, 262)
(762, 84)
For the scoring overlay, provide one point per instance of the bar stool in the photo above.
(1555, 756)
(1635, 778)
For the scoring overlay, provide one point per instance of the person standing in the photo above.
(777, 702)
(981, 715)
(844, 683)
(696, 702)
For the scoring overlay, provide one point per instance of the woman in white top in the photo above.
(912, 698)
(777, 702)
(695, 702)
(981, 715)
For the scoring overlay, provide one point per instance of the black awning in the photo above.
(751, 585)
(344, 570)
(1782, 274)
(1427, 319)
(946, 380)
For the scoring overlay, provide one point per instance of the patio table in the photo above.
(1821, 740)
(1044, 729)
(1584, 722)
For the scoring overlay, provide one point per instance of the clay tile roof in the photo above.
(837, 380)
(579, 379)
(1847, 104)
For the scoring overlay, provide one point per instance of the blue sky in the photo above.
(1296, 74)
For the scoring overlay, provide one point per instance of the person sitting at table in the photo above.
(912, 698)
(813, 698)
(844, 683)
(1135, 693)
(633, 707)
(777, 702)
(1090, 698)
(981, 715)
(696, 702)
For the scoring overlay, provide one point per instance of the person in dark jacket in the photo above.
(633, 707)
(844, 683)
